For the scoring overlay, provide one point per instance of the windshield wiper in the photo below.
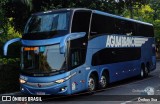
(59, 71)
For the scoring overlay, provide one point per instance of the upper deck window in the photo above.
(47, 25)
(81, 21)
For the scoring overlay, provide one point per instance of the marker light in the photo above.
(22, 81)
(30, 48)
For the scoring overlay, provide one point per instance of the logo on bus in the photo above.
(39, 85)
(124, 41)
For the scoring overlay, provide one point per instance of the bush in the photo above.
(9, 61)
(9, 79)
(9, 75)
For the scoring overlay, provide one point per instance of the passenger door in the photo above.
(77, 59)
(78, 49)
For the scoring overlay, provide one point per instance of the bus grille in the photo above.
(39, 85)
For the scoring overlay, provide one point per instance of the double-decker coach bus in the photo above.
(67, 51)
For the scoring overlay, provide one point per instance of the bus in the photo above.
(71, 50)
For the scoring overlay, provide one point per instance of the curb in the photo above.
(14, 93)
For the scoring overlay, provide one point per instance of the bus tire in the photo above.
(148, 67)
(146, 71)
(104, 80)
(92, 83)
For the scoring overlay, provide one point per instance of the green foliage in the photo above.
(157, 34)
(5, 61)
(145, 13)
(20, 10)
(157, 29)
(10, 32)
(155, 5)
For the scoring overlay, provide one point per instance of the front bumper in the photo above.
(50, 88)
(57, 89)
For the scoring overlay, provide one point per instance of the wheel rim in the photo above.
(142, 73)
(103, 81)
(146, 71)
(91, 84)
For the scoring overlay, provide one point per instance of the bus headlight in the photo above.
(64, 79)
(22, 81)
(60, 81)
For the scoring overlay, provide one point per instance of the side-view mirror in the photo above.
(5, 48)
(71, 36)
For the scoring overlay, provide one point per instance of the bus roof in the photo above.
(97, 12)
(59, 10)
(120, 17)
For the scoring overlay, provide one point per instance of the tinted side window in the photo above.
(102, 24)
(145, 30)
(81, 20)
(114, 55)
(77, 57)
(125, 27)
(129, 28)
(119, 26)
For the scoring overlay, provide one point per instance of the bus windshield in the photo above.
(47, 25)
(43, 59)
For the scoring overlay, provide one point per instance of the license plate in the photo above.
(41, 93)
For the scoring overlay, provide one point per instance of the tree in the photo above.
(131, 5)
(19, 10)
(155, 5)
(6, 25)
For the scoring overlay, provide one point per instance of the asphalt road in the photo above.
(129, 91)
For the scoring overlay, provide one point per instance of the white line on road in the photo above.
(129, 101)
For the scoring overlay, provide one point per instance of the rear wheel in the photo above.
(144, 72)
(104, 80)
